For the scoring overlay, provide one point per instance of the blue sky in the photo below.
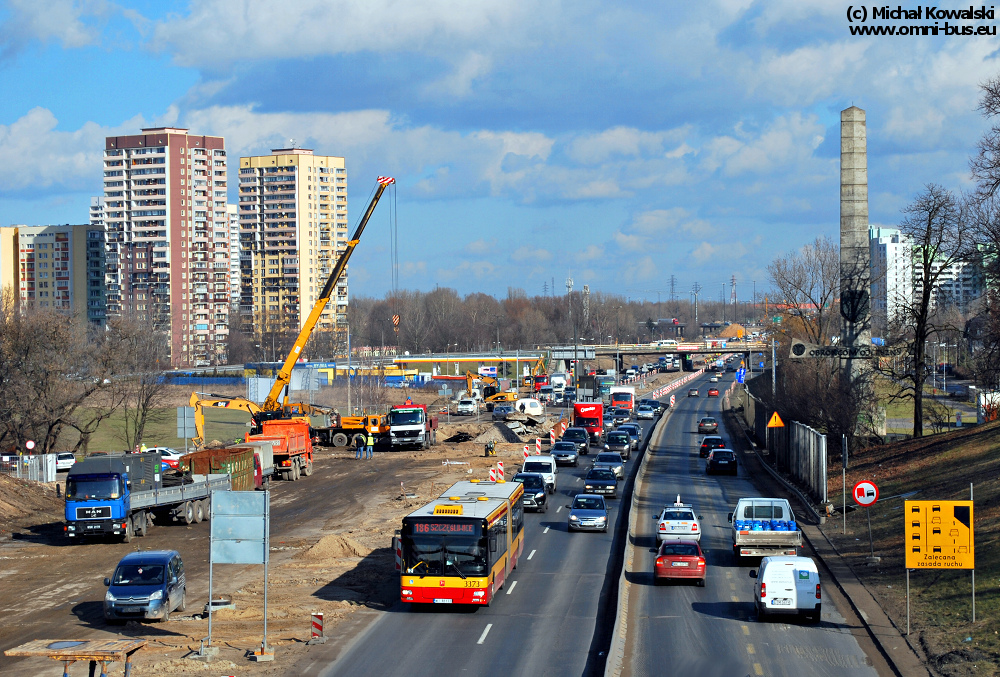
(621, 143)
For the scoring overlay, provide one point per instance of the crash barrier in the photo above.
(798, 450)
(37, 467)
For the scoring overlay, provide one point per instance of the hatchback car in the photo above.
(65, 460)
(601, 481)
(677, 523)
(679, 560)
(146, 585)
(644, 412)
(710, 442)
(580, 438)
(634, 432)
(564, 452)
(708, 425)
(693, 392)
(620, 442)
(722, 461)
(588, 512)
(501, 411)
(713, 392)
(611, 460)
(534, 491)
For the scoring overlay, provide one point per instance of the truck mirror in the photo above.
(107, 582)
(730, 518)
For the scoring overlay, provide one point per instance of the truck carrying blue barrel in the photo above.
(120, 495)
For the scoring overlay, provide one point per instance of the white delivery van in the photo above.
(544, 464)
(787, 585)
(530, 406)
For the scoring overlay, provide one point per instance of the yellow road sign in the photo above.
(939, 535)
(775, 421)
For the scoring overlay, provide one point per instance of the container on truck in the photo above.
(590, 416)
(237, 462)
(119, 495)
(291, 446)
(411, 426)
(763, 527)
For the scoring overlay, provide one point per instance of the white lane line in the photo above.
(579, 479)
(482, 637)
(531, 554)
(559, 508)
(510, 591)
(544, 531)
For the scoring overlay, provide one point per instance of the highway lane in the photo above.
(714, 630)
(542, 622)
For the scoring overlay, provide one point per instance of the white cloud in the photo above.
(788, 142)
(530, 253)
(618, 142)
(50, 20)
(458, 83)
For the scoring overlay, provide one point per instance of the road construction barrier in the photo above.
(493, 474)
(562, 425)
(500, 470)
(552, 436)
(317, 636)
(538, 445)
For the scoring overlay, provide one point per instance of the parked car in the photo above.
(611, 460)
(620, 442)
(644, 412)
(721, 461)
(713, 392)
(146, 584)
(708, 425)
(679, 560)
(467, 407)
(787, 585)
(601, 481)
(710, 442)
(500, 411)
(588, 512)
(693, 392)
(564, 452)
(580, 438)
(169, 456)
(534, 491)
(65, 460)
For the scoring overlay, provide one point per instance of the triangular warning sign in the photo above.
(775, 421)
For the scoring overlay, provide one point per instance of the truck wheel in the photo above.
(199, 512)
(307, 470)
(187, 514)
(129, 531)
(295, 471)
(434, 438)
(142, 524)
(425, 445)
(340, 440)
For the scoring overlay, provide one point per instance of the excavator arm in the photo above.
(201, 400)
(272, 402)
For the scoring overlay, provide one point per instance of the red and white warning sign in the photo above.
(865, 493)
(500, 471)
(673, 400)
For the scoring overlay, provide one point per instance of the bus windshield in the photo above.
(445, 555)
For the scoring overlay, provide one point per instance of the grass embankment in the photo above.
(902, 410)
(938, 467)
(161, 430)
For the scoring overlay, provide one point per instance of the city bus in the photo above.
(461, 547)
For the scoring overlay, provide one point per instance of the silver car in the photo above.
(611, 460)
(644, 412)
(619, 441)
(589, 512)
(564, 453)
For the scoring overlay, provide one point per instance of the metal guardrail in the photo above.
(37, 467)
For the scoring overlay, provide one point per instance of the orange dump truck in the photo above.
(291, 444)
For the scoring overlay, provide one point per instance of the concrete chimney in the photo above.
(854, 248)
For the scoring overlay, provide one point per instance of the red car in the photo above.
(713, 392)
(679, 559)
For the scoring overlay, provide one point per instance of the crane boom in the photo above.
(285, 374)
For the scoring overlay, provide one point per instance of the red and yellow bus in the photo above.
(460, 548)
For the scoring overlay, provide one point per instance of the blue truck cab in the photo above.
(146, 585)
(99, 492)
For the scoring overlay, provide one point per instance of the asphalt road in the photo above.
(542, 623)
(714, 630)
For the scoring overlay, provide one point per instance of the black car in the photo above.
(534, 491)
(722, 461)
(601, 481)
(580, 438)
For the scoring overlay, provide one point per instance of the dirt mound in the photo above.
(498, 432)
(335, 546)
(20, 499)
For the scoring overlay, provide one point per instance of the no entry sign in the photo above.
(865, 493)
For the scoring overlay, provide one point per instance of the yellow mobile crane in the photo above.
(272, 408)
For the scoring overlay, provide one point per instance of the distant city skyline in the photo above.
(626, 143)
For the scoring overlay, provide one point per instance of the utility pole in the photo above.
(694, 291)
(722, 302)
(673, 285)
(732, 296)
(569, 302)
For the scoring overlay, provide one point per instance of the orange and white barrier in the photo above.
(538, 446)
(493, 474)
(525, 452)
(500, 471)
(552, 436)
(316, 630)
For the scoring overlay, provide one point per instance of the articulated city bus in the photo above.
(460, 548)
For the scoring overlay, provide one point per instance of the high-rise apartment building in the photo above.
(293, 225)
(168, 238)
(97, 211)
(59, 267)
(891, 275)
(233, 214)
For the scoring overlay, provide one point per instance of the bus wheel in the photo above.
(340, 440)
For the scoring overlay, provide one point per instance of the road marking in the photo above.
(482, 637)
(729, 574)
(531, 554)
(757, 669)
(735, 598)
(732, 586)
(559, 508)
(512, 587)
(545, 530)
(750, 649)
(746, 629)
(579, 479)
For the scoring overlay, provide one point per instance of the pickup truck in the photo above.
(762, 527)
(119, 495)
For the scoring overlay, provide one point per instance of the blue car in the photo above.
(146, 585)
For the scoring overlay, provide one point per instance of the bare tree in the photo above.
(137, 382)
(985, 164)
(809, 281)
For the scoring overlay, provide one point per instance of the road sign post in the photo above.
(843, 473)
(866, 494)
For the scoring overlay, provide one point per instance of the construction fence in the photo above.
(797, 450)
(37, 467)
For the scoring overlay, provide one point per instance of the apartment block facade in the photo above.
(60, 267)
(293, 225)
(891, 275)
(168, 245)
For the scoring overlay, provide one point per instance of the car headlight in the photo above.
(602, 519)
(573, 518)
(108, 597)
(540, 494)
(156, 595)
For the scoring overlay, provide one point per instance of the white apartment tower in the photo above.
(891, 275)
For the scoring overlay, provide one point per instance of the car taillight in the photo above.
(660, 561)
(663, 527)
(694, 527)
(763, 590)
(701, 561)
(817, 591)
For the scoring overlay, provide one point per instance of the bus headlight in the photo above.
(407, 592)
(479, 593)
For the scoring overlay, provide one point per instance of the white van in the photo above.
(530, 406)
(545, 465)
(787, 585)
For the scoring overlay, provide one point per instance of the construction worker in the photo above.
(371, 444)
(361, 448)
(143, 449)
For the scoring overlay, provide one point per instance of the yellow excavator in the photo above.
(272, 408)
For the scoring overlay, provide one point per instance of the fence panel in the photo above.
(37, 468)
